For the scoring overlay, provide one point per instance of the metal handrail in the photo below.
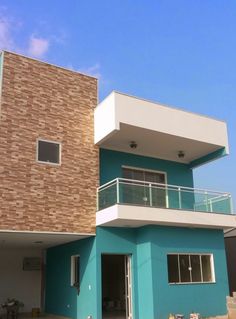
(165, 186)
(209, 199)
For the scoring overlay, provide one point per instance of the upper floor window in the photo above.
(144, 187)
(144, 175)
(48, 152)
(190, 268)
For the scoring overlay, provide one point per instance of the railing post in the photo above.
(230, 204)
(206, 200)
(117, 191)
(210, 203)
(97, 201)
(180, 198)
(150, 194)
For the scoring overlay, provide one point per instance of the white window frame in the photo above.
(48, 141)
(152, 171)
(194, 282)
(73, 275)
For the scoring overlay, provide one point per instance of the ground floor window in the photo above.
(190, 268)
(75, 271)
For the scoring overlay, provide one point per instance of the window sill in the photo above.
(192, 283)
(48, 163)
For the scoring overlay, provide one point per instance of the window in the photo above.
(143, 175)
(49, 152)
(149, 193)
(190, 268)
(75, 271)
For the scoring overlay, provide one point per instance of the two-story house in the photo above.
(102, 197)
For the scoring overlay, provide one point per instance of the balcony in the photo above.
(124, 202)
(159, 131)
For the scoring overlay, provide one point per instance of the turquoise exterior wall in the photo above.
(111, 163)
(207, 299)
(59, 293)
(153, 297)
(62, 299)
(111, 167)
(116, 241)
(146, 297)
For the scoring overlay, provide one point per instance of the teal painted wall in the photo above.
(111, 163)
(111, 167)
(59, 293)
(207, 299)
(116, 241)
(153, 297)
(62, 299)
(146, 299)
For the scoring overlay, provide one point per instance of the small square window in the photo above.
(48, 152)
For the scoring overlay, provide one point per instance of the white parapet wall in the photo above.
(119, 118)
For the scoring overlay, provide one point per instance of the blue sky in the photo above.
(177, 52)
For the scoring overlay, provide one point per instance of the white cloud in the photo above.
(35, 44)
(38, 46)
(6, 38)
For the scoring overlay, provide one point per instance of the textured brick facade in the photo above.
(44, 101)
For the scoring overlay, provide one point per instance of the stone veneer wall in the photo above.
(44, 101)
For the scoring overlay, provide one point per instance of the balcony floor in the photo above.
(120, 215)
